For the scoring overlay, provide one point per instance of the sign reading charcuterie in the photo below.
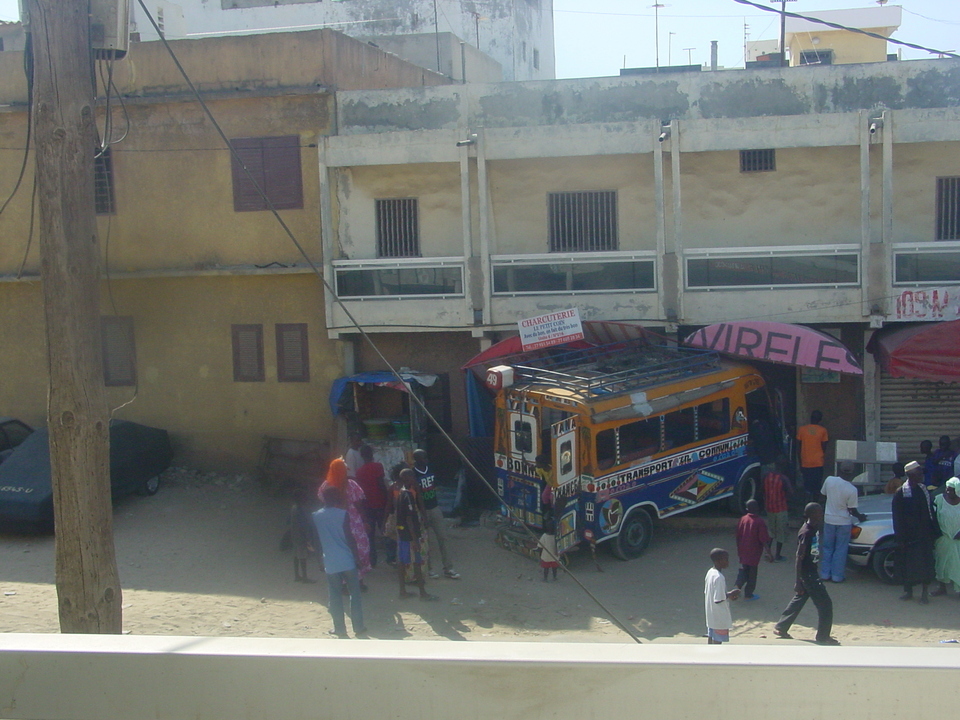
(553, 328)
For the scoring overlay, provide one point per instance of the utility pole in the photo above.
(88, 585)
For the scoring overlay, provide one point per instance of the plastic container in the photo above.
(378, 429)
(401, 428)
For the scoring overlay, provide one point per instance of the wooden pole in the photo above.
(88, 586)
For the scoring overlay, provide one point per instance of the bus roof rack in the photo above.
(625, 366)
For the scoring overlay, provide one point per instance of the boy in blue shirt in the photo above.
(340, 561)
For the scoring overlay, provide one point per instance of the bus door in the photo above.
(566, 463)
(519, 487)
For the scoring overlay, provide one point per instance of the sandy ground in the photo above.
(203, 558)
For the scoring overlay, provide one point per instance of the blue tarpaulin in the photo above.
(380, 378)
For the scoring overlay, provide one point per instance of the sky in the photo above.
(598, 37)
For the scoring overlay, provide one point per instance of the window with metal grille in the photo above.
(247, 353)
(582, 221)
(816, 57)
(293, 358)
(103, 182)
(117, 346)
(398, 227)
(274, 165)
(948, 208)
(758, 160)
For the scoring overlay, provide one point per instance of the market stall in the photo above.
(378, 407)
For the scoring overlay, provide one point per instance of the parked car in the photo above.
(138, 454)
(872, 543)
(12, 433)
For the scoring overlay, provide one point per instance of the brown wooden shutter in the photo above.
(274, 164)
(117, 345)
(282, 174)
(247, 353)
(293, 357)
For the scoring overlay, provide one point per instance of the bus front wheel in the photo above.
(747, 488)
(635, 534)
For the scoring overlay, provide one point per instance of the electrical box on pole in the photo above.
(109, 27)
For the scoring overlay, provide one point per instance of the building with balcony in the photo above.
(825, 196)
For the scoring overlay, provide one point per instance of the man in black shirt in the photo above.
(809, 584)
(433, 516)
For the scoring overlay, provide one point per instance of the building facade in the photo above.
(518, 34)
(212, 321)
(824, 196)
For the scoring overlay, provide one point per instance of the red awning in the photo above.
(782, 343)
(930, 351)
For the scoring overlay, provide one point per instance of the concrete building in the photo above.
(812, 43)
(212, 323)
(517, 34)
(824, 196)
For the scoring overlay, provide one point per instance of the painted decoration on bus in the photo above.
(697, 488)
(611, 515)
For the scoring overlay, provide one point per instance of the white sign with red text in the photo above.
(929, 304)
(553, 328)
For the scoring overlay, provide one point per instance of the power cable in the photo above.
(838, 26)
(28, 72)
(613, 617)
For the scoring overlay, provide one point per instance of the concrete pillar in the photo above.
(327, 182)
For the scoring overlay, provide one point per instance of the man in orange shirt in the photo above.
(813, 440)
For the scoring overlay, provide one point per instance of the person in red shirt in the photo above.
(813, 441)
(776, 490)
(370, 477)
(753, 540)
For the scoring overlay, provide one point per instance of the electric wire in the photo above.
(28, 72)
(838, 26)
(466, 460)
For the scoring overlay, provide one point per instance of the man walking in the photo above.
(433, 518)
(753, 540)
(808, 583)
(840, 509)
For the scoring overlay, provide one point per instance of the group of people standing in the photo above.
(363, 511)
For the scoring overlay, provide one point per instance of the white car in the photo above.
(872, 542)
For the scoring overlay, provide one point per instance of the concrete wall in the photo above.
(437, 187)
(916, 168)
(457, 58)
(509, 30)
(847, 47)
(728, 94)
(74, 677)
(184, 362)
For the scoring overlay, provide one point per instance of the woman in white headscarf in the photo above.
(947, 548)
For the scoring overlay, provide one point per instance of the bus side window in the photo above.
(606, 449)
(713, 419)
(639, 439)
(679, 428)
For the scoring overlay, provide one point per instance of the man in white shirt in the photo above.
(841, 508)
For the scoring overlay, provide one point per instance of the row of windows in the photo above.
(578, 221)
(293, 359)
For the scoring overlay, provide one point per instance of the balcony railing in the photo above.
(573, 273)
(399, 278)
(773, 267)
(929, 263)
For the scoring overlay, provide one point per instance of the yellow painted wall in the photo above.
(813, 196)
(437, 187)
(519, 190)
(847, 47)
(174, 189)
(185, 363)
(916, 167)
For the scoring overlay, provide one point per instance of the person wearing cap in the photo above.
(915, 529)
(946, 550)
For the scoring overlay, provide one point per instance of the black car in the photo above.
(12, 433)
(138, 454)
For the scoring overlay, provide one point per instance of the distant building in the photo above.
(518, 34)
(811, 43)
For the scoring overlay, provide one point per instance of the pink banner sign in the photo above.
(777, 342)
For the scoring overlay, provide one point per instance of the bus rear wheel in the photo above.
(635, 535)
(747, 488)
